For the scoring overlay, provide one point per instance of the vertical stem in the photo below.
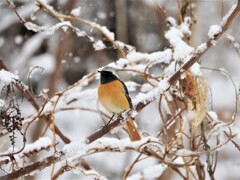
(179, 12)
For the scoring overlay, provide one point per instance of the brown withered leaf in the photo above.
(195, 89)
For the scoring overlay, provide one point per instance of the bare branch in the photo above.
(197, 55)
(14, 9)
(30, 97)
(167, 151)
(83, 21)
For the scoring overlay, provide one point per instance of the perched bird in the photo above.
(114, 97)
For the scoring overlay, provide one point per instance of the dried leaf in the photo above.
(195, 89)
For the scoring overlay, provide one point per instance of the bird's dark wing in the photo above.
(127, 94)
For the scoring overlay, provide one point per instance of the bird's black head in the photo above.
(108, 74)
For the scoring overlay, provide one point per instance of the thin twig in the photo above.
(31, 98)
(197, 55)
(46, 162)
(161, 11)
(83, 21)
(13, 7)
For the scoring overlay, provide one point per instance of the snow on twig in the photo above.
(80, 148)
(7, 78)
(138, 63)
(109, 35)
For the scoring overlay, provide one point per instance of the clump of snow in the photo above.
(138, 67)
(172, 68)
(42, 142)
(49, 30)
(163, 85)
(195, 69)
(33, 27)
(136, 57)
(76, 12)
(159, 56)
(181, 48)
(99, 45)
(201, 48)
(213, 42)
(107, 32)
(123, 45)
(81, 147)
(64, 28)
(82, 33)
(7, 78)
(172, 21)
(213, 115)
(175, 34)
(133, 56)
(110, 35)
(74, 147)
(214, 30)
(119, 64)
(184, 27)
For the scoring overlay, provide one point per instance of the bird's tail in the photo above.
(132, 130)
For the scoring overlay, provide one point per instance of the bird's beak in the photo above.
(99, 71)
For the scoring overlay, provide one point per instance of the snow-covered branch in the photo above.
(181, 129)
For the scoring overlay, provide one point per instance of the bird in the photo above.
(114, 97)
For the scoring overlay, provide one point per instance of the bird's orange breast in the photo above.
(112, 97)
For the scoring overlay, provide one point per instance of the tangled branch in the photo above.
(173, 90)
